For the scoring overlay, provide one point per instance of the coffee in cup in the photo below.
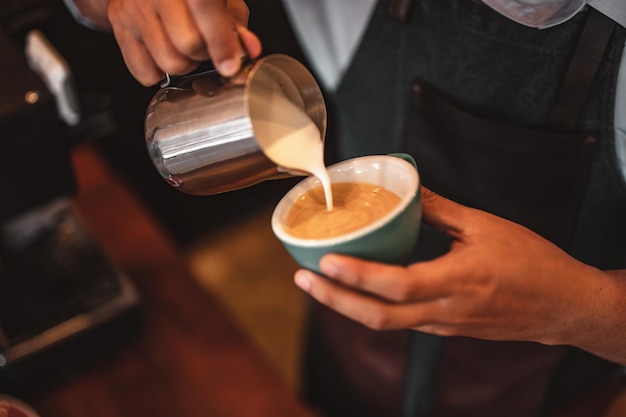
(355, 205)
(388, 238)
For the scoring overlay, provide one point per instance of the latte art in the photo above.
(355, 205)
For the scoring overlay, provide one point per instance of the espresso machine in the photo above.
(62, 303)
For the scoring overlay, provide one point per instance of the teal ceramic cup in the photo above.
(390, 239)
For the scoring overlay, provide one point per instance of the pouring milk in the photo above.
(289, 137)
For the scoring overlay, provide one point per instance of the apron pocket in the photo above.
(529, 176)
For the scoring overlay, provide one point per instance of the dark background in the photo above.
(114, 105)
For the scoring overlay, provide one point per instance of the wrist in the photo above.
(600, 317)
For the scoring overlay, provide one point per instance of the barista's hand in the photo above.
(173, 36)
(499, 281)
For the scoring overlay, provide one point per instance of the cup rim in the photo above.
(312, 181)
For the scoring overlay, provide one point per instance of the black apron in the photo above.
(494, 121)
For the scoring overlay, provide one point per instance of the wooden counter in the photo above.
(190, 359)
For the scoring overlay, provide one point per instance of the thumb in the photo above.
(442, 214)
(250, 41)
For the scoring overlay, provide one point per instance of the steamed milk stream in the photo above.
(291, 140)
(289, 137)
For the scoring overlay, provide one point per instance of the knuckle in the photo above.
(376, 319)
(208, 6)
(145, 72)
(201, 4)
(240, 10)
(403, 292)
(120, 14)
(145, 75)
(148, 80)
(357, 279)
(325, 298)
(429, 195)
(113, 12)
(457, 315)
(190, 44)
(221, 46)
(176, 65)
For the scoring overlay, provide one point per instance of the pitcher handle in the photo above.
(207, 66)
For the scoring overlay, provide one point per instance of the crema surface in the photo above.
(355, 205)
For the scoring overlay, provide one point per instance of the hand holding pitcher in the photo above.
(173, 36)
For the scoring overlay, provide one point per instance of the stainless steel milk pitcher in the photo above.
(199, 132)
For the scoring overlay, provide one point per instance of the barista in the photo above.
(515, 305)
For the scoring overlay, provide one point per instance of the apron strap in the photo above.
(584, 65)
(419, 385)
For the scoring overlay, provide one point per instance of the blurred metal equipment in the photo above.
(61, 300)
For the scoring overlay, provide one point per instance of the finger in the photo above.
(442, 214)
(181, 29)
(138, 60)
(393, 283)
(145, 45)
(368, 310)
(166, 56)
(363, 308)
(385, 281)
(217, 25)
(239, 10)
(250, 41)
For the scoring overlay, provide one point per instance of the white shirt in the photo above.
(329, 32)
